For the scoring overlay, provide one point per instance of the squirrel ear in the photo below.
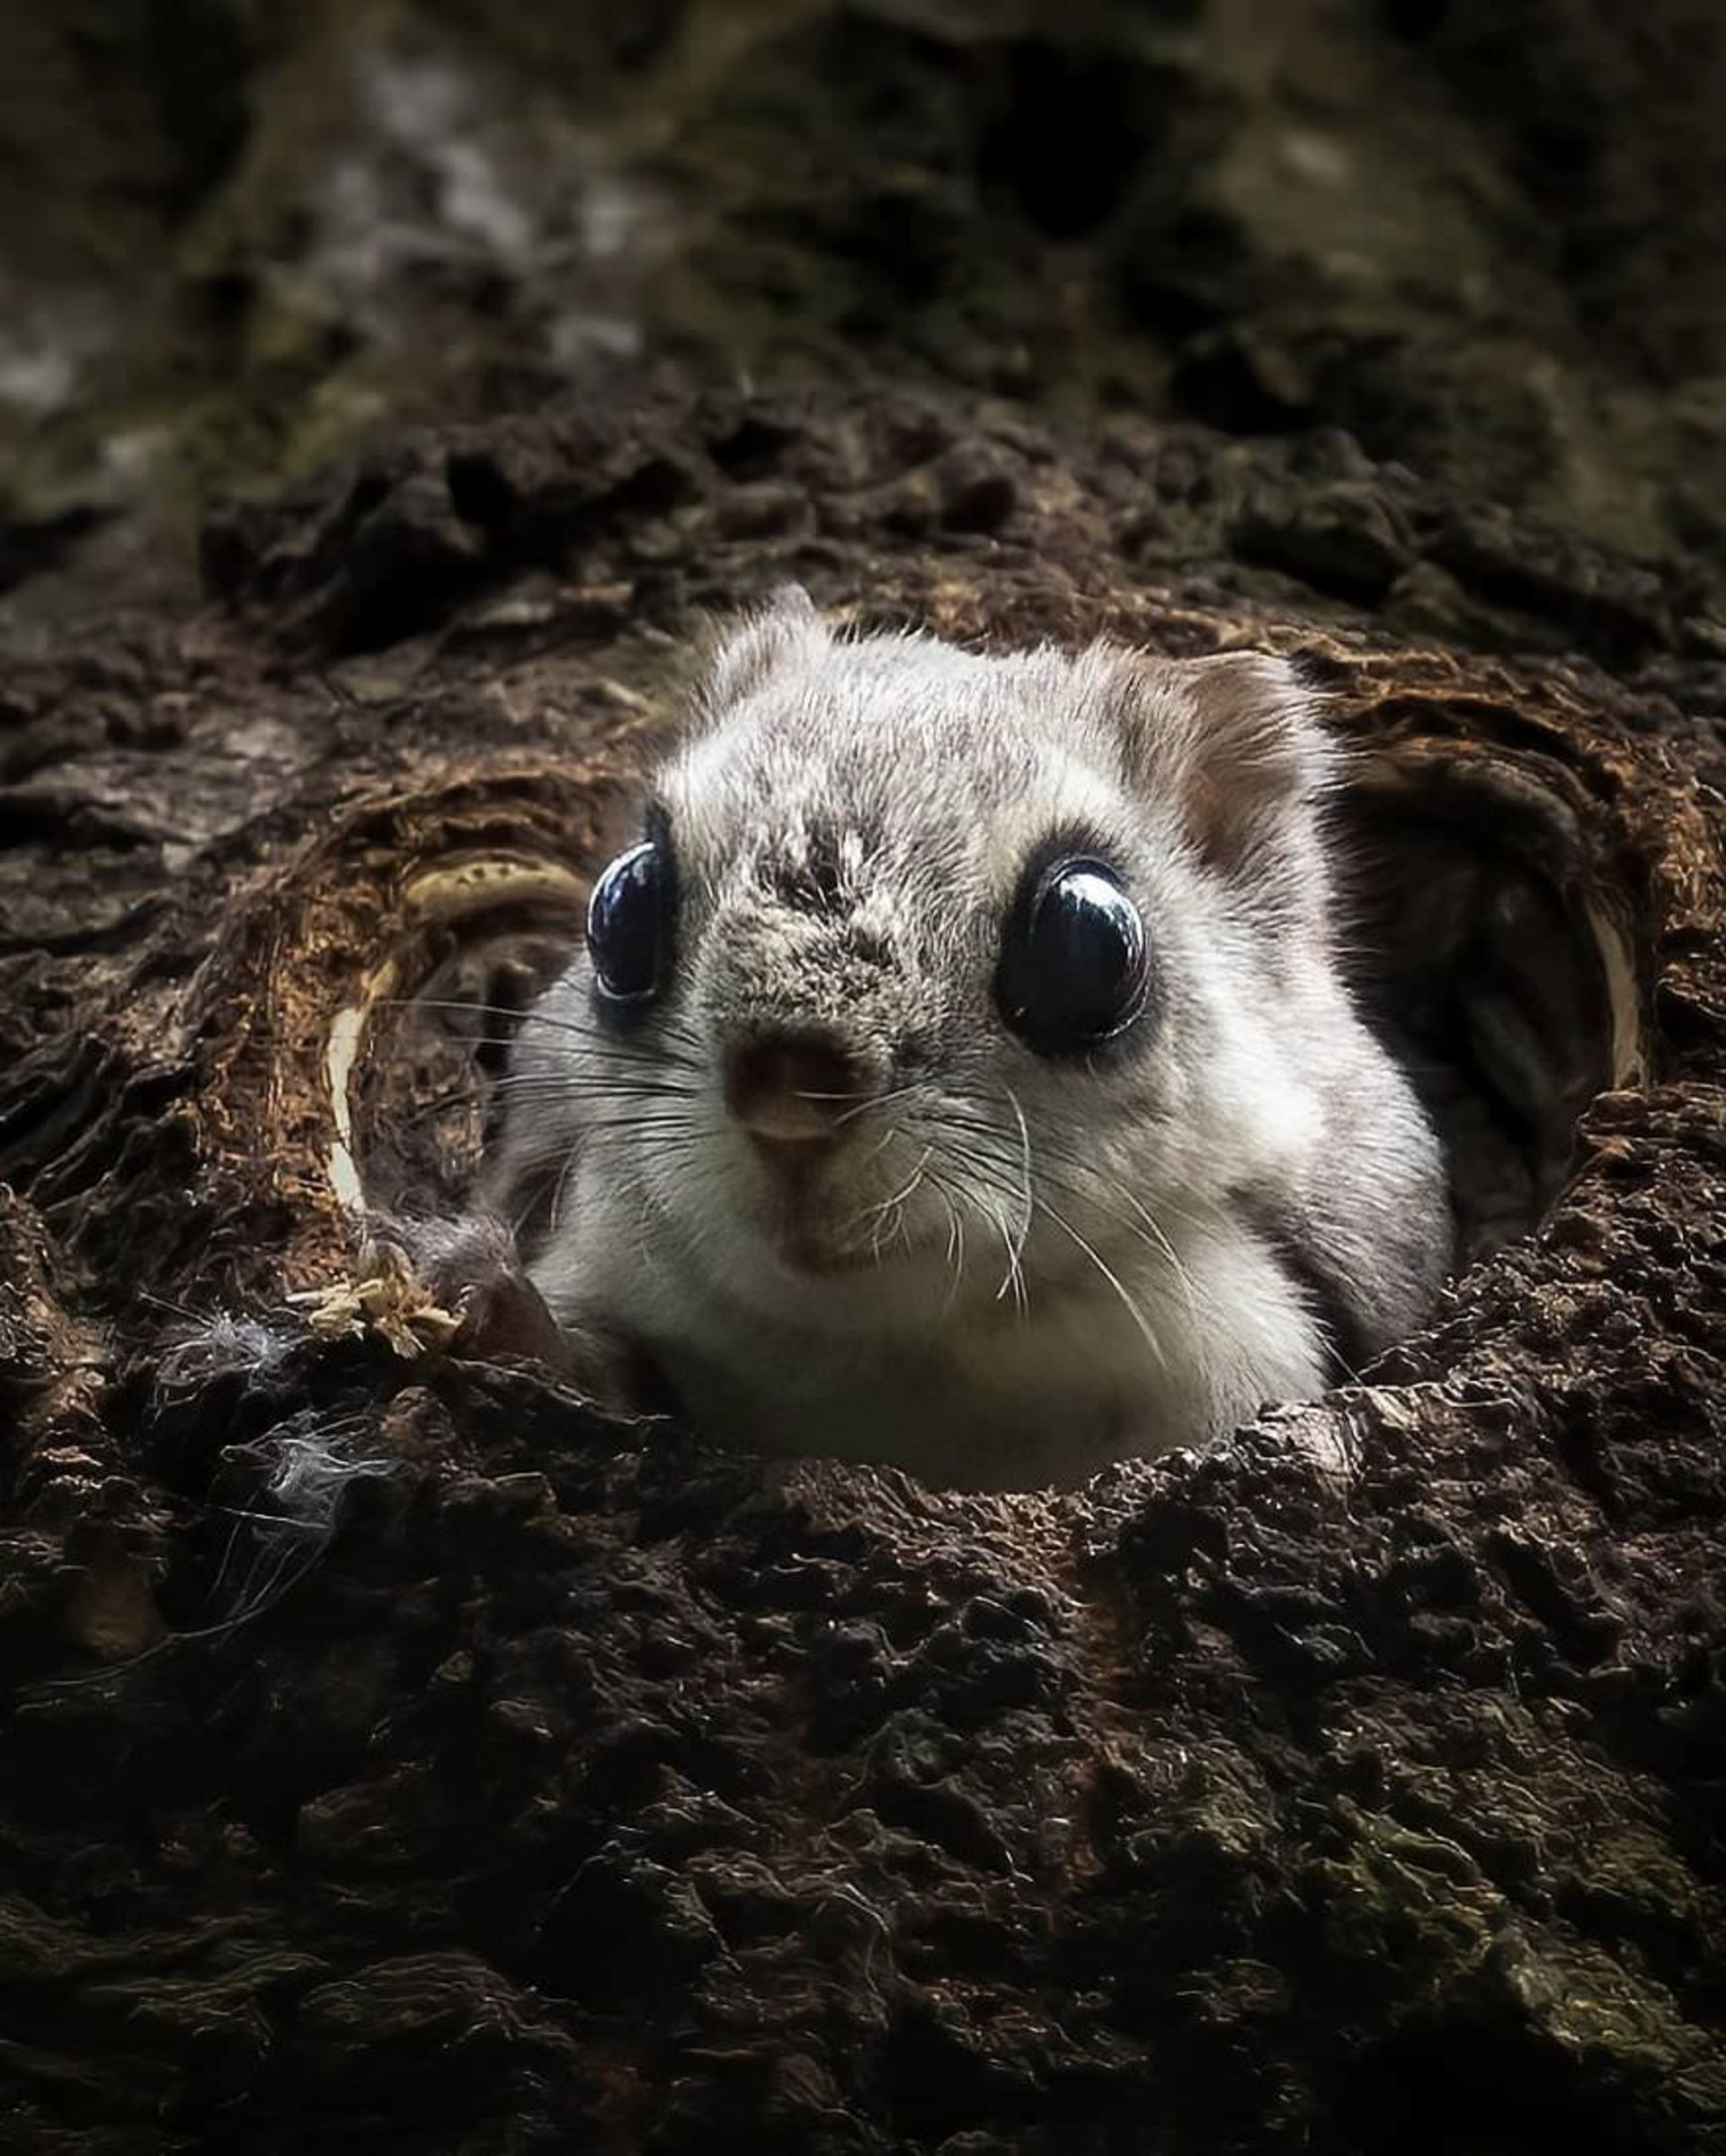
(1234, 742)
(786, 628)
(1256, 756)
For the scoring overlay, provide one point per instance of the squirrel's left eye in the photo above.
(1073, 965)
(630, 926)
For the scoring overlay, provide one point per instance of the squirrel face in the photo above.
(949, 1004)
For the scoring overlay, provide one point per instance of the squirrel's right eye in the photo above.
(630, 926)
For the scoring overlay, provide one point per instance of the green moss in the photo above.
(1408, 1910)
(1622, 2027)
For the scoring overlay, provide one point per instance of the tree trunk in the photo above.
(400, 1753)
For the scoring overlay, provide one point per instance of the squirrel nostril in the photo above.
(788, 1091)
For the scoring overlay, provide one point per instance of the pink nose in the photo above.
(790, 1091)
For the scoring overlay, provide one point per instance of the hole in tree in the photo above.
(1482, 947)
(1483, 955)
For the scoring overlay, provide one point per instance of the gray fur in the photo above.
(1073, 1261)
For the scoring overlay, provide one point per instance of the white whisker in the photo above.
(1127, 1304)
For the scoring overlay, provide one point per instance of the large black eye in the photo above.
(629, 925)
(1072, 959)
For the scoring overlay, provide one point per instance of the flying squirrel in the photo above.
(959, 1072)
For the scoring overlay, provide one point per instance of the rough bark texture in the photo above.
(396, 1753)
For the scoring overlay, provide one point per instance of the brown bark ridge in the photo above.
(400, 1753)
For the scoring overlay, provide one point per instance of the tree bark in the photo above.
(400, 1752)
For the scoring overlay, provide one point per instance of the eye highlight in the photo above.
(1073, 967)
(629, 923)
